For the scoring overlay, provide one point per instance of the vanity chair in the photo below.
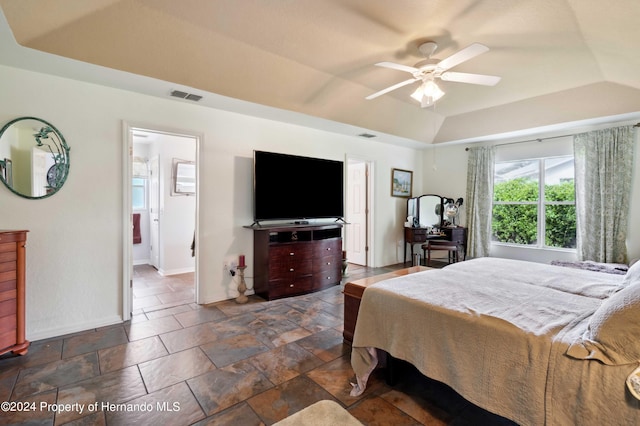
(451, 246)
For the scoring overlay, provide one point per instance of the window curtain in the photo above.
(140, 169)
(479, 200)
(603, 169)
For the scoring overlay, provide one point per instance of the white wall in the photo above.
(445, 173)
(75, 245)
(177, 213)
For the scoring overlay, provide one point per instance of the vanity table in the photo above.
(427, 211)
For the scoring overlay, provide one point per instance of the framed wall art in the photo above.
(401, 183)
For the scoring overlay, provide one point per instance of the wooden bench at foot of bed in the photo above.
(353, 294)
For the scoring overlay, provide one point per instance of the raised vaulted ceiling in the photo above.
(560, 60)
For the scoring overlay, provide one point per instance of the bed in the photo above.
(538, 344)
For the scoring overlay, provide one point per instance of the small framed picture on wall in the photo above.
(401, 183)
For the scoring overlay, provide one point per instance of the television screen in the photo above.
(295, 187)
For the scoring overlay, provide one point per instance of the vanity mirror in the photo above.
(430, 210)
(34, 158)
(184, 177)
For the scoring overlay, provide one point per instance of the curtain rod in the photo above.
(539, 139)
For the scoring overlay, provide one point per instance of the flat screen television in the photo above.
(291, 187)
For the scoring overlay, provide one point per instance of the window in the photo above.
(534, 203)
(138, 193)
(139, 184)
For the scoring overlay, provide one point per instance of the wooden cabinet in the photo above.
(12, 292)
(291, 260)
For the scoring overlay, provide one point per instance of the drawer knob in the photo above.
(328, 278)
(291, 285)
(291, 254)
(328, 248)
(290, 269)
(328, 263)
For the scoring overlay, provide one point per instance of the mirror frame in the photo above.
(416, 207)
(177, 187)
(61, 148)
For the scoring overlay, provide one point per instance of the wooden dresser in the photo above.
(12, 292)
(290, 260)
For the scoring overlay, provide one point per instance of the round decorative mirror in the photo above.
(34, 157)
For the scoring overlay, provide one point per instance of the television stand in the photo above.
(296, 259)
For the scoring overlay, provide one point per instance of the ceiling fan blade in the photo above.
(394, 87)
(399, 67)
(463, 55)
(463, 77)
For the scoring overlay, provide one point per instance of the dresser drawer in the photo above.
(11, 294)
(327, 247)
(325, 263)
(12, 237)
(281, 288)
(8, 256)
(8, 285)
(290, 251)
(7, 246)
(455, 234)
(7, 339)
(8, 323)
(415, 235)
(290, 269)
(8, 266)
(327, 277)
(7, 307)
(8, 276)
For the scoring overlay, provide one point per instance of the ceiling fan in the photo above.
(429, 69)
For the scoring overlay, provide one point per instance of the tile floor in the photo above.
(179, 363)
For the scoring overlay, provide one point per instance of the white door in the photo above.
(356, 230)
(154, 210)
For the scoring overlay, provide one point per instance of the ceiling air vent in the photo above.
(367, 135)
(184, 95)
(192, 97)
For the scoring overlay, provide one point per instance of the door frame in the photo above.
(128, 128)
(154, 252)
(370, 190)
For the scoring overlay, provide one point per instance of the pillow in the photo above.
(613, 336)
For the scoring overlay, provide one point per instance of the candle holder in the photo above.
(242, 286)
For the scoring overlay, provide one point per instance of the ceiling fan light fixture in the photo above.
(418, 94)
(427, 93)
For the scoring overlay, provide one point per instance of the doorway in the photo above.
(160, 254)
(358, 234)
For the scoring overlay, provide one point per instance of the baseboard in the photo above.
(141, 262)
(168, 272)
(61, 331)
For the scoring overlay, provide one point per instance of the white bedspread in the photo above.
(496, 331)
